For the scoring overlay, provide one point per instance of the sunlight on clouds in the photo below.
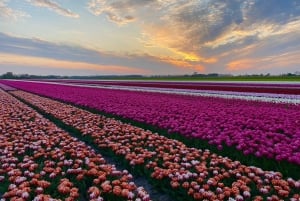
(162, 33)
(242, 64)
(40, 62)
(192, 33)
(184, 64)
(194, 57)
(291, 27)
(241, 52)
(230, 37)
(174, 56)
(117, 12)
(165, 38)
(261, 31)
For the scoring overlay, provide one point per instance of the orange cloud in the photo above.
(242, 64)
(40, 62)
(184, 64)
(194, 57)
(171, 41)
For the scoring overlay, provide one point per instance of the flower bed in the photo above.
(6, 87)
(264, 130)
(251, 96)
(192, 172)
(39, 161)
(225, 86)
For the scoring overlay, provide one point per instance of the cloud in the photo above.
(55, 7)
(278, 12)
(119, 20)
(190, 26)
(259, 32)
(75, 55)
(203, 21)
(243, 64)
(282, 61)
(184, 64)
(202, 33)
(119, 12)
(9, 13)
(41, 62)
(216, 23)
(177, 26)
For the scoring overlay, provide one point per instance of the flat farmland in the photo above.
(122, 140)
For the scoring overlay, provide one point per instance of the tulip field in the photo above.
(57, 139)
(39, 161)
(273, 88)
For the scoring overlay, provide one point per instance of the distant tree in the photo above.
(290, 74)
(8, 75)
(213, 75)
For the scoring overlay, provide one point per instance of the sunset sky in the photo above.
(149, 37)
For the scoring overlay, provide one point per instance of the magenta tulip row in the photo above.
(262, 129)
(6, 87)
(224, 86)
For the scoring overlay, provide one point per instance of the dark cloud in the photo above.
(272, 10)
(205, 22)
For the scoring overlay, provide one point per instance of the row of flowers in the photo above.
(6, 87)
(39, 161)
(265, 97)
(264, 130)
(198, 174)
(251, 96)
(224, 86)
(248, 96)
